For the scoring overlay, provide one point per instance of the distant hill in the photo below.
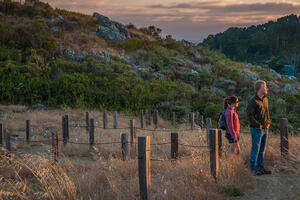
(67, 59)
(276, 43)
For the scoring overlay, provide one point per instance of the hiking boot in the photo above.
(257, 172)
(264, 171)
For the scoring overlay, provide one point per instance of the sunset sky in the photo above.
(185, 19)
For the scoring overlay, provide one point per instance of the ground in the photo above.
(100, 172)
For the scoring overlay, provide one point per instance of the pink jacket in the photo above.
(232, 121)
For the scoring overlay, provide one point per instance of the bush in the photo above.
(232, 190)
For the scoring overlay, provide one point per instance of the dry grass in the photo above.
(99, 173)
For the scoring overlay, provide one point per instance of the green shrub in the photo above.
(232, 190)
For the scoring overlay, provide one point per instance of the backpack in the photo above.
(222, 120)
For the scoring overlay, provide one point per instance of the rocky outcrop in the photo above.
(275, 74)
(110, 30)
(80, 57)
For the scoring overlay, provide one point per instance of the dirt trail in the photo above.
(278, 186)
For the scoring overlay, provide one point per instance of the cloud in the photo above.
(185, 20)
(219, 6)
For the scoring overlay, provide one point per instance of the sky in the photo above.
(191, 20)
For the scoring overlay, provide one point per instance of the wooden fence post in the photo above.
(192, 120)
(64, 130)
(67, 126)
(104, 119)
(115, 123)
(7, 140)
(214, 156)
(92, 131)
(144, 165)
(202, 121)
(132, 133)
(1, 135)
(27, 130)
(149, 117)
(173, 119)
(208, 126)
(54, 139)
(142, 118)
(155, 118)
(284, 137)
(220, 141)
(124, 143)
(197, 119)
(87, 120)
(174, 145)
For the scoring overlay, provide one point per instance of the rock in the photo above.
(248, 65)
(106, 55)
(109, 34)
(80, 57)
(110, 30)
(70, 54)
(122, 29)
(273, 87)
(102, 20)
(292, 78)
(290, 88)
(55, 29)
(251, 76)
(37, 107)
(275, 74)
(57, 21)
(194, 72)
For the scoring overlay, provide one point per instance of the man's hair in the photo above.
(258, 84)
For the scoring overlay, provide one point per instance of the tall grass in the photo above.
(100, 173)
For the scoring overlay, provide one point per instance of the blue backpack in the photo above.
(222, 120)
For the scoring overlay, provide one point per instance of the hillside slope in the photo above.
(273, 44)
(61, 58)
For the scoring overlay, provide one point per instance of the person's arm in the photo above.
(229, 121)
(251, 113)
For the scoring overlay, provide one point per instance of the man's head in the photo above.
(260, 88)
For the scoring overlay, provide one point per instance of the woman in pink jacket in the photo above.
(232, 122)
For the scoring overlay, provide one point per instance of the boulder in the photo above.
(55, 29)
(275, 74)
(292, 78)
(248, 65)
(290, 88)
(37, 107)
(57, 21)
(106, 55)
(74, 56)
(194, 71)
(70, 54)
(251, 76)
(110, 33)
(110, 30)
(102, 20)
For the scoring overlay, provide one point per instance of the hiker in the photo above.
(259, 118)
(232, 123)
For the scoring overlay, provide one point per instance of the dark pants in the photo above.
(259, 141)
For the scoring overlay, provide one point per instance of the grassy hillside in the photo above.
(275, 43)
(55, 57)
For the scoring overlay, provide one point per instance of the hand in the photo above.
(267, 126)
